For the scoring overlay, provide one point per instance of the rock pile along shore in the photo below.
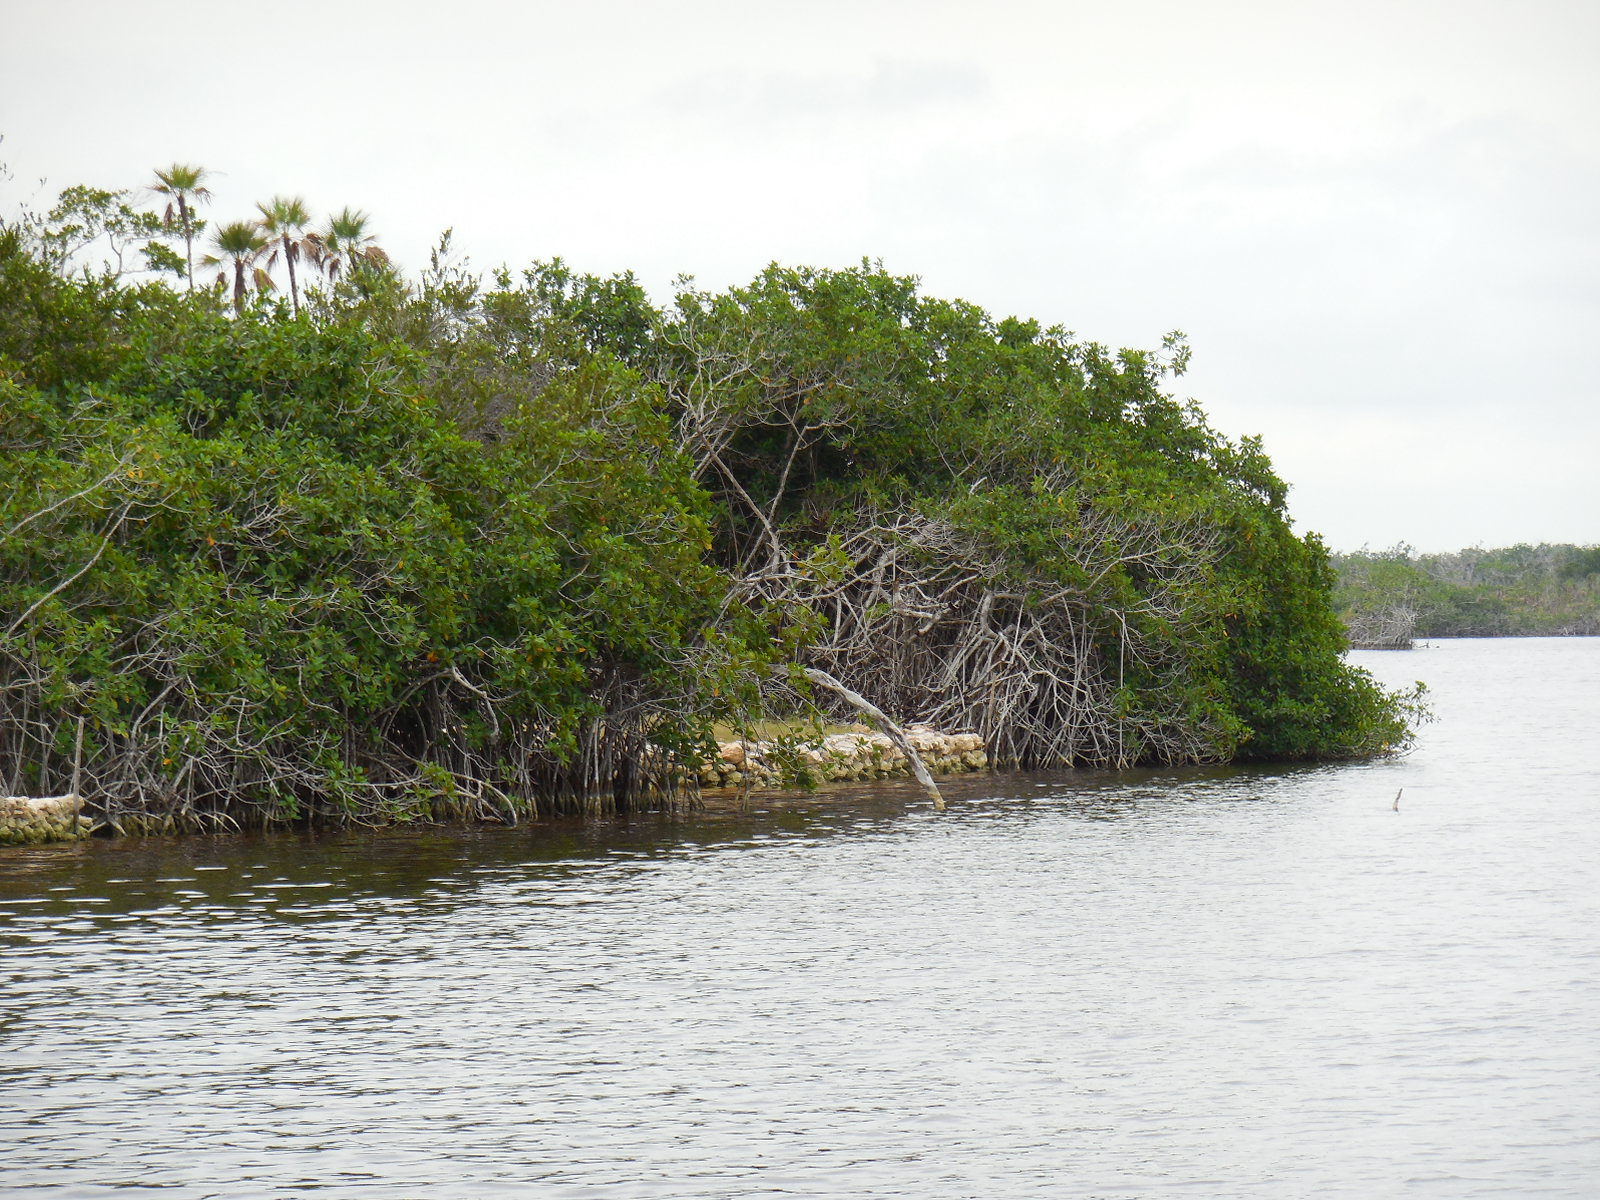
(840, 757)
(26, 820)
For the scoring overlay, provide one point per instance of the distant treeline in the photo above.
(1514, 591)
(343, 543)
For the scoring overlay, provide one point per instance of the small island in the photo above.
(292, 536)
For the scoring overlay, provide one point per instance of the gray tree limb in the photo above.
(894, 732)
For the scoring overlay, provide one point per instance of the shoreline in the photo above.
(860, 755)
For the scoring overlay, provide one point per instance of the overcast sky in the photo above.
(1379, 223)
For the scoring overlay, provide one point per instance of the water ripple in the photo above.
(1190, 983)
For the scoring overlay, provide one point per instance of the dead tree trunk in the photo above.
(894, 732)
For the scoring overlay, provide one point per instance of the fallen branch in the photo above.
(894, 732)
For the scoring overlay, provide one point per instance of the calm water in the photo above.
(1209, 983)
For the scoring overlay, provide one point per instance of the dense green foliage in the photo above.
(440, 546)
(267, 568)
(1514, 591)
(973, 477)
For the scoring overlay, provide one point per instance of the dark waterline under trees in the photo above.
(488, 548)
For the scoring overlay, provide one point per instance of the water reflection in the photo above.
(272, 872)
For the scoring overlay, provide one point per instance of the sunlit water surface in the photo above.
(1201, 983)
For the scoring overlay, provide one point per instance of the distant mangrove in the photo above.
(1514, 591)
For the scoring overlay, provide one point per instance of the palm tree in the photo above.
(284, 222)
(183, 183)
(345, 246)
(241, 244)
